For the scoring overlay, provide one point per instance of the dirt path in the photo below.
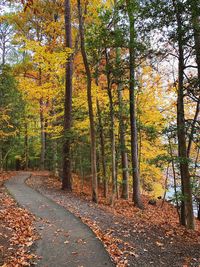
(65, 240)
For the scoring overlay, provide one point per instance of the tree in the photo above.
(6, 31)
(90, 106)
(11, 108)
(187, 217)
(195, 10)
(66, 179)
(131, 7)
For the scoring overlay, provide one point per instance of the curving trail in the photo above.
(65, 240)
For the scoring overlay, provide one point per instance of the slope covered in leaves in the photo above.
(131, 236)
(17, 232)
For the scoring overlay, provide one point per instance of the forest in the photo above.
(106, 95)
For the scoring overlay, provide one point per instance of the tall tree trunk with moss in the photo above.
(187, 217)
(131, 7)
(90, 106)
(66, 179)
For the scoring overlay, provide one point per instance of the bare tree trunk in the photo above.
(134, 143)
(112, 130)
(66, 175)
(174, 178)
(124, 156)
(42, 125)
(90, 106)
(187, 208)
(55, 158)
(166, 183)
(26, 154)
(42, 134)
(198, 215)
(193, 4)
(102, 145)
(122, 133)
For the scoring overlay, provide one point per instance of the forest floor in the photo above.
(65, 241)
(17, 233)
(132, 237)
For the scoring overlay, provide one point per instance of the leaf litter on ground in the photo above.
(18, 224)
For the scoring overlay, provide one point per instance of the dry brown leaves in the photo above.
(20, 224)
(5, 176)
(162, 216)
(111, 244)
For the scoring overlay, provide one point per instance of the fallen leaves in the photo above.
(152, 217)
(19, 223)
(112, 244)
(159, 244)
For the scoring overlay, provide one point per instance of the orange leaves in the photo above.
(19, 223)
(111, 243)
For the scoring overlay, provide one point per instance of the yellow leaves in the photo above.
(157, 190)
(55, 30)
(47, 60)
(6, 128)
(150, 100)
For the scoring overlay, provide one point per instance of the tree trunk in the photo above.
(26, 154)
(66, 175)
(42, 125)
(187, 208)
(124, 156)
(134, 144)
(42, 134)
(90, 106)
(102, 146)
(174, 178)
(122, 133)
(198, 215)
(112, 130)
(195, 14)
(55, 158)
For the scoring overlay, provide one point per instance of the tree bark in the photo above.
(174, 178)
(26, 154)
(124, 156)
(102, 146)
(134, 143)
(42, 125)
(66, 175)
(122, 133)
(187, 208)
(112, 130)
(195, 16)
(90, 106)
